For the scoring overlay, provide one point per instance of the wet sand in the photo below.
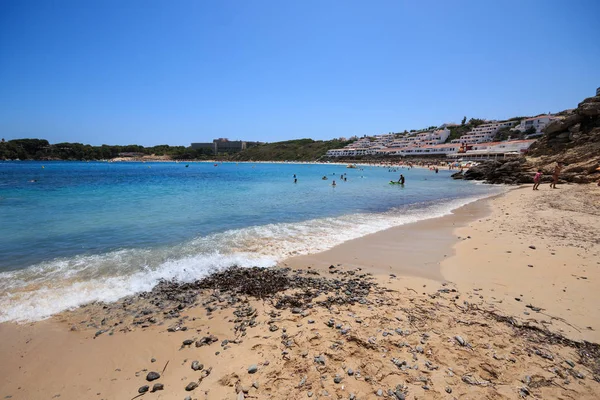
(442, 323)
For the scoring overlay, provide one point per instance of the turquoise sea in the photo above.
(75, 232)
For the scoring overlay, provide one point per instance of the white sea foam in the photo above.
(42, 290)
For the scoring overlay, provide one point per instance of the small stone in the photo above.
(252, 369)
(157, 387)
(350, 372)
(310, 394)
(296, 310)
(532, 247)
(448, 389)
(188, 342)
(337, 379)
(379, 393)
(255, 385)
(143, 389)
(153, 360)
(460, 340)
(571, 363)
(152, 376)
(191, 386)
(273, 328)
(196, 366)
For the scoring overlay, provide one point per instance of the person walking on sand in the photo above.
(555, 175)
(537, 179)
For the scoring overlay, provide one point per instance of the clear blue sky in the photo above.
(153, 72)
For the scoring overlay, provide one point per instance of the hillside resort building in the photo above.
(477, 143)
(223, 145)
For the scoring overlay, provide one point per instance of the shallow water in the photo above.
(74, 232)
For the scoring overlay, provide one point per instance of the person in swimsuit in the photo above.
(537, 179)
(555, 175)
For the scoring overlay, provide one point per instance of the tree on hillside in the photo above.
(464, 120)
(474, 122)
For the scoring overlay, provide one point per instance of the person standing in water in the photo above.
(333, 184)
(401, 180)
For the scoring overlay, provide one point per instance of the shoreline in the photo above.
(366, 331)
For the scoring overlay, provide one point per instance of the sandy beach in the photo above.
(497, 301)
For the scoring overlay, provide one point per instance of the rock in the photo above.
(457, 175)
(252, 369)
(188, 342)
(350, 372)
(255, 385)
(296, 310)
(337, 379)
(320, 360)
(379, 393)
(571, 363)
(157, 387)
(273, 328)
(196, 366)
(460, 340)
(143, 389)
(590, 107)
(309, 394)
(152, 376)
(448, 389)
(191, 386)
(241, 396)
(532, 247)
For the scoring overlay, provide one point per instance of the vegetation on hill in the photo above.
(40, 149)
(296, 150)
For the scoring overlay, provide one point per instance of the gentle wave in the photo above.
(47, 288)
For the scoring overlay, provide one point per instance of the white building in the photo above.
(539, 123)
(483, 133)
(493, 149)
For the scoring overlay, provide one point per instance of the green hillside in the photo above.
(291, 150)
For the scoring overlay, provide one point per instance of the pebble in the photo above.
(196, 366)
(188, 342)
(255, 385)
(191, 386)
(152, 376)
(337, 379)
(310, 394)
(157, 387)
(252, 369)
(143, 389)
(350, 372)
(448, 389)
(379, 393)
(460, 340)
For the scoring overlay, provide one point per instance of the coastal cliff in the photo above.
(573, 141)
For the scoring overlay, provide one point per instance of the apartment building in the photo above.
(483, 133)
(539, 123)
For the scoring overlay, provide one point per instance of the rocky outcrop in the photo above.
(574, 141)
(510, 172)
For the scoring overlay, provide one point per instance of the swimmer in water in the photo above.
(333, 184)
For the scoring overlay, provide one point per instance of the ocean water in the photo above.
(75, 232)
